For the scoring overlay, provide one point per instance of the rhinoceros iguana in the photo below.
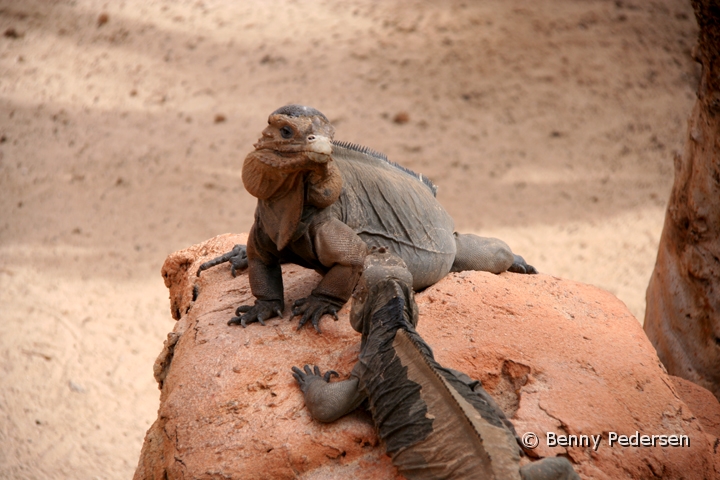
(322, 203)
(434, 422)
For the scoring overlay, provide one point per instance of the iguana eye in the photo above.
(287, 132)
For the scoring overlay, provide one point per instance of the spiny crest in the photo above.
(426, 355)
(381, 156)
(361, 149)
(422, 347)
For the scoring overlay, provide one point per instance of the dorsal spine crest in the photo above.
(381, 156)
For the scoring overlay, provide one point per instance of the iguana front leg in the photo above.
(338, 247)
(327, 401)
(265, 276)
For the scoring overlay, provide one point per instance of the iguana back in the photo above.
(390, 206)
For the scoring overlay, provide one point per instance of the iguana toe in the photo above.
(521, 266)
(313, 317)
(308, 375)
(261, 311)
(297, 374)
(237, 258)
(313, 308)
(315, 320)
(242, 321)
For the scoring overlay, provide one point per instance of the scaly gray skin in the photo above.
(322, 204)
(435, 423)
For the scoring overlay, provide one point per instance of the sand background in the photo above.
(123, 126)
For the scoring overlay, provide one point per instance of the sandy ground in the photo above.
(550, 124)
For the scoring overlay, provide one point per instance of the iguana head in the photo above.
(290, 169)
(298, 129)
(385, 276)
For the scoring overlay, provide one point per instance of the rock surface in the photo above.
(702, 404)
(559, 357)
(682, 318)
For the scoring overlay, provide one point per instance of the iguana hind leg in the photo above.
(521, 266)
(551, 468)
(340, 249)
(487, 255)
(327, 401)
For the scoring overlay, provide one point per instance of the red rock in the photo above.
(559, 356)
(706, 408)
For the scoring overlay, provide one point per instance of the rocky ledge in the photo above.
(559, 356)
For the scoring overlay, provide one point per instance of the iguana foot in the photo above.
(261, 311)
(237, 258)
(313, 308)
(521, 266)
(550, 468)
(309, 376)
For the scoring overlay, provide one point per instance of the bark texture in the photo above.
(682, 318)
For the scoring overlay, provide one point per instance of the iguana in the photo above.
(322, 203)
(435, 423)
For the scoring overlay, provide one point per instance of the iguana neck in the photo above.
(267, 174)
(284, 185)
(392, 309)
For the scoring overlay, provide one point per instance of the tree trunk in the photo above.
(682, 318)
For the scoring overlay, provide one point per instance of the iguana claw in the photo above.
(313, 308)
(261, 311)
(521, 266)
(237, 258)
(310, 375)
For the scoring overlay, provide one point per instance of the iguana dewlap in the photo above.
(435, 423)
(322, 204)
